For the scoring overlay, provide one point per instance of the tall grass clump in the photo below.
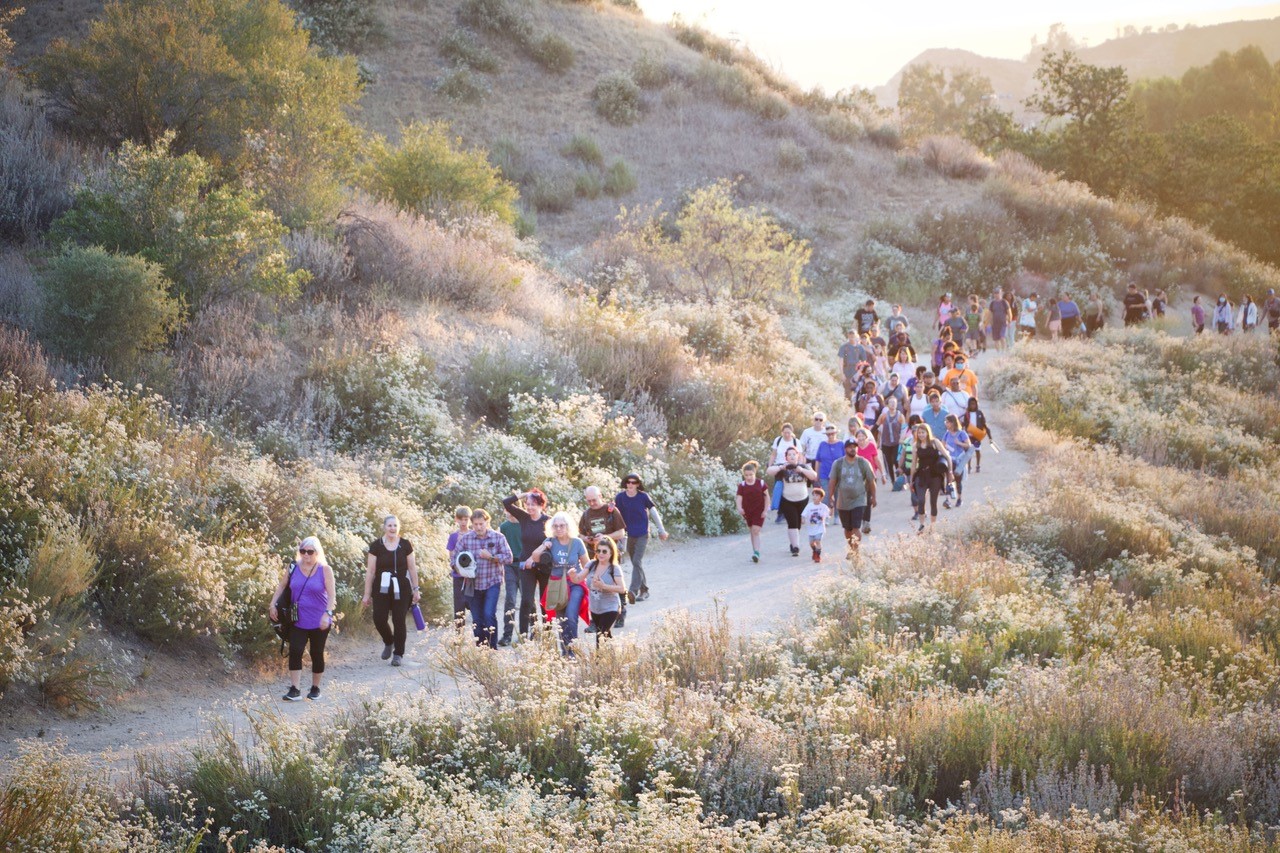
(463, 48)
(38, 168)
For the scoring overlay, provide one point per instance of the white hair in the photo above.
(556, 519)
(313, 542)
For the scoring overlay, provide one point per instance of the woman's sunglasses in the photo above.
(307, 551)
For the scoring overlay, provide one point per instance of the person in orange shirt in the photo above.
(962, 371)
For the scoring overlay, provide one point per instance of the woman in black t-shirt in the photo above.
(930, 464)
(533, 532)
(391, 586)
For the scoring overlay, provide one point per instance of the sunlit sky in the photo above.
(838, 43)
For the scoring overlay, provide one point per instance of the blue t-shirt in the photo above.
(953, 441)
(937, 421)
(565, 554)
(1067, 309)
(635, 512)
(828, 453)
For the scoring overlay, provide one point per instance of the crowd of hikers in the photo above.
(915, 425)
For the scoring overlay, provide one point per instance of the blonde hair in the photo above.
(313, 542)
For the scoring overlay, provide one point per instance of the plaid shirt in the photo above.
(488, 572)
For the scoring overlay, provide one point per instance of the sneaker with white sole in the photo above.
(396, 660)
(293, 695)
(313, 694)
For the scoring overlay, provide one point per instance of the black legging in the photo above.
(792, 512)
(931, 485)
(603, 623)
(299, 638)
(890, 452)
(385, 606)
(533, 584)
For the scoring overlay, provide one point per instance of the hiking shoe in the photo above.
(946, 503)
(755, 556)
(779, 519)
(396, 660)
(631, 597)
(978, 470)
(866, 530)
(293, 695)
(920, 529)
(386, 652)
(313, 694)
(621, 621)
(590, 629)
(795, 550)
(643, 596)
(959, 501)
(915, 517)
(505, 641)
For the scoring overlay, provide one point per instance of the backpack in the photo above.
(283, 625)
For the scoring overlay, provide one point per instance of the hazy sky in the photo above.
(837, 44)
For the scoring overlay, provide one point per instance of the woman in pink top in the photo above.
(944, 309)
(868, 450)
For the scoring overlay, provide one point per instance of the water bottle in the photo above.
(418, 621)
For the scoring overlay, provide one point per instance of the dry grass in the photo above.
(685, 138)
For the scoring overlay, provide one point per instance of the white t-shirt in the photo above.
(1028, 315)
(809, 441)
(917, 405)
(905, 370)
(955, 402)
(815, 518)
(780, 447)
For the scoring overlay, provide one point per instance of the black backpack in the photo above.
(283, 625)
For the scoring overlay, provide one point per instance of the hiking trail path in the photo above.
(161, 714)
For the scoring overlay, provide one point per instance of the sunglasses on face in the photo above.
(307, 551)
(606, 551)
(631, 483)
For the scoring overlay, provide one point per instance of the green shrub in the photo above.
(114, 308)
(553, 53)
(791, 157)
(500, 17)
(235, 82)
(213, 241)
(618, 180)
(429, 167)
(583, 149)
(463, 48)
(462, 86)
(552, 193)
(651, 71)
(587, 185)
(617, 98)
(341, 26)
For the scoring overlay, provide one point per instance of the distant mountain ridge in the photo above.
(1145, 55)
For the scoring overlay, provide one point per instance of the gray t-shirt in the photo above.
(851, 477)
(603, 602)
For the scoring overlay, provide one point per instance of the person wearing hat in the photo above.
(828, 452)
(637, 509)
(853, 483)
(1271, 310)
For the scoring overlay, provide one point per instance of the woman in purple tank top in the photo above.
(311, 585)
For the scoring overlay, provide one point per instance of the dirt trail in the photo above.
(683, 576)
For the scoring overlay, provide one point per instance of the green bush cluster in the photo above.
(463, 48)
(106, 307)
(341, 26)
(235, 82)
(510, 19)
(430, 168)
(462, 86)
(617, 99)
(213, 240)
